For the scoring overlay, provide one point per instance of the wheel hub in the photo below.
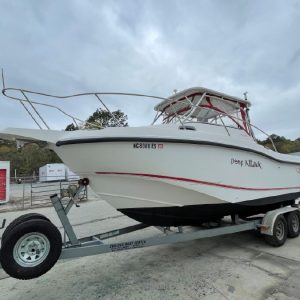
(295, 223)
(280, 230)
(31, 249)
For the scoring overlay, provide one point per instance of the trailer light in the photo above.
(264, 227)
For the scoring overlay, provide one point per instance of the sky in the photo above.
(153, 47)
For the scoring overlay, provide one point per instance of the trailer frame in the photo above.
(95, 244)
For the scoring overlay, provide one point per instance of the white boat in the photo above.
(202, 162)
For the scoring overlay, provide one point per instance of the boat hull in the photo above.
(176, 184)
(199, 214)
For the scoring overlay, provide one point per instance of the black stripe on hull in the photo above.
(167, 140)
(198, 214)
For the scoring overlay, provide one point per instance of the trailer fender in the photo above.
(268, 221)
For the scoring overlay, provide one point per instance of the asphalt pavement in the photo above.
(236, 266)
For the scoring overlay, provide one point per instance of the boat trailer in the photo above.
(31, 244)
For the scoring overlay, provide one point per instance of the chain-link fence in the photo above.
(27, 192)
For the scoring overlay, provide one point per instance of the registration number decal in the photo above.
(148, 146)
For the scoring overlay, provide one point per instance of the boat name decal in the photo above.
(127, 245)
(148, 146)
(246, 163)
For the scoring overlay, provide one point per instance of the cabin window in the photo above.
(187, 127)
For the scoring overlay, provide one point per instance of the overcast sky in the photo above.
(154, 47)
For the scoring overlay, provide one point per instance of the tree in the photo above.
(29, 158)
(101, 119)
(282, 144)
(71, 127)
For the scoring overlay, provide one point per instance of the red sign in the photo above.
(2, 185)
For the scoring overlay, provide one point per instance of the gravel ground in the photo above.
(237, 266)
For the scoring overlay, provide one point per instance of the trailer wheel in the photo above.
(293, 221)
(22, 219)
(279, 232)
(30, 249)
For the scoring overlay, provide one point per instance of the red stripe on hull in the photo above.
(199, 181)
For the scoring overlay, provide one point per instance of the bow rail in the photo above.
(182, 117)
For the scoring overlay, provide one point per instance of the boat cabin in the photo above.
(205, 106)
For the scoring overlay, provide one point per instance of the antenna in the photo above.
(3, 82)
(245, 95)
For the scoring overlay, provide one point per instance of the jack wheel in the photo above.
(279, 232)
(30, 249)
(293, 221)
(84, 181)
(22, 219)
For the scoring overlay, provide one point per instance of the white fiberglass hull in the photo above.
(139, 175)
(164, 176)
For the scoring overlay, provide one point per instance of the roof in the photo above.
(199, 90)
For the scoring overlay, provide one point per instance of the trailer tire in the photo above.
(279, 232)
(22, 219)
(30, 249)
(293, 222)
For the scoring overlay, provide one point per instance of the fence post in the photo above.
(23, 195)
(31, 194)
